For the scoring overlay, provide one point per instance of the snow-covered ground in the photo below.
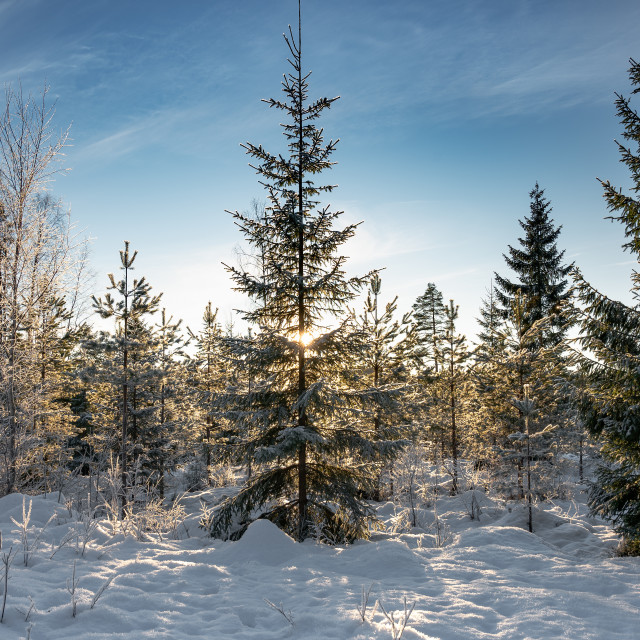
(491, 579)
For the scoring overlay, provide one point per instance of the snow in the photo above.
(492, 579)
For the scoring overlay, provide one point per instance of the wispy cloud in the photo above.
(5, 5)
(139, 134)
(485, 62)
(375, 244)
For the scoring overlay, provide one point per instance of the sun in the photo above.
(305, 339)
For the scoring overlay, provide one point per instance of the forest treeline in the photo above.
(330, 383)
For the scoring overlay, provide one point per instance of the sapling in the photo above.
(409, 481)
(472, 505)
(442, 532)
(473, 478)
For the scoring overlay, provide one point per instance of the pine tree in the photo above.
(429, 318)
(453, 354)
(530, 380)
(382, 363)
(610, 331)
(541, 274)
(302, 424)
(209, 370)
(490, 408)
(490, 321)
(167, 425)
(52, 423)
(127, 346)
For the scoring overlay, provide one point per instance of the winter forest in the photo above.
(330, 465)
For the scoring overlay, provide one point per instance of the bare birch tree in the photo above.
(36, 253)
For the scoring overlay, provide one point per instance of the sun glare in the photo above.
(306, 339)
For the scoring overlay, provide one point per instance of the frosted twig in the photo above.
(6, 560)
(29, 548)
(398, 627)
(71, 588)
(364, 603)
(288, 615)
(101, 590)
(27, 613)
(85, 530)
(70, 535)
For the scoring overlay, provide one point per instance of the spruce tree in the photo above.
(490, 321)
(452, 352)
(489, 398)
(301, 421)
(382, 364)
(533, 407)
(541, 276)
(209, 376)
(610, 333)
(168, 401)
(429, 317)
(52, 422)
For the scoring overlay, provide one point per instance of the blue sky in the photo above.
(450, 111)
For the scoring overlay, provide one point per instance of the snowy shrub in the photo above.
(81, 533)
(222, 475)
(472, 504)
(84, 530)
(402, 521)
(441, 531)
(338, 527)
(155, 518)
(29, 544)
(411, 482)
(194, 476)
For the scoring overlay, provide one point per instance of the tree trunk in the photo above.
(302, 386)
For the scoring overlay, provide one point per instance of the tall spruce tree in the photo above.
(429, 318)
(487, 397)
(301, 422)
(541, 274)
(610, 331)
(453, 354)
